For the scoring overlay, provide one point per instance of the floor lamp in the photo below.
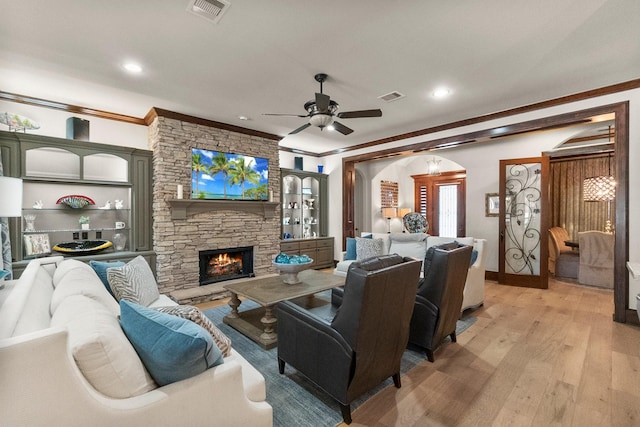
(10, 206)
(600, 189)
(401, 213)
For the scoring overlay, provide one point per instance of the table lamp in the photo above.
(389, 213)
(10, 205)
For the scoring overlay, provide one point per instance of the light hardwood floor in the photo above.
(532, 358)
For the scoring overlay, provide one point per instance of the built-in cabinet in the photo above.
(304, 218)
(304, 204)
(118, 180)
(319, 249)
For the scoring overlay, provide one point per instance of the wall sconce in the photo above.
(389, 213)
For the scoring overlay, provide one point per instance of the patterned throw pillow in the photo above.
(100, 267)
(367, 248)
(134, 282)
(195, 315)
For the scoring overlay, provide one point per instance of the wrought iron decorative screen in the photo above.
(522, 218)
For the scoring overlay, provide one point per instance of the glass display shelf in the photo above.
(72, 211)
(74, 230)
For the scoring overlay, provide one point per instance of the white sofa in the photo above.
(43, 385)
(417, 248)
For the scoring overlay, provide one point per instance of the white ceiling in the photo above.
(262, 55)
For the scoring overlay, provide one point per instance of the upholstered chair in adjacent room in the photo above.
(596, 258)
(563, 260)
(350, 348)
(439, 296)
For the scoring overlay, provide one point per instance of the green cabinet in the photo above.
(304, 204)
(117, 179)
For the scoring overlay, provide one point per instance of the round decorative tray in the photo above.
(75, 201)
(82, 246)
(290, 272)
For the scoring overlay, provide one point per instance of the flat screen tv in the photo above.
(228, 176)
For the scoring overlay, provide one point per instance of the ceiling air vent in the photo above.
(211, 10)
(391, 96)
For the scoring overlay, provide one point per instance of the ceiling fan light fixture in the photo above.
(321, 120)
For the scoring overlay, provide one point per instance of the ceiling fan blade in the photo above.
(301, 128)
(358, 114)
(286, 115)
(322, 102)
(342, 128)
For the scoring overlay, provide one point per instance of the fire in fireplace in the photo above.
(218, 265)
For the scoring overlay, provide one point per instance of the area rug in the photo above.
(295, 400)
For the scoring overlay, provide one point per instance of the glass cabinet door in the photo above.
(310, 207)
(303, 205)
(291, 207)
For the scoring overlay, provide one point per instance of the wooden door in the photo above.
(435, 195)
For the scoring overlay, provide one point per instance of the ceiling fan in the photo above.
(322, 110)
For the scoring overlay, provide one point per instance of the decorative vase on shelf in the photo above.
(30, 221)
(119, 241)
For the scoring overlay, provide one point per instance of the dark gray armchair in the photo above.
(439, 297)
(362, 344)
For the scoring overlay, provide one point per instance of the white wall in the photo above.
(481, 162)
(54, 123)
(397, 170)
(309, 163)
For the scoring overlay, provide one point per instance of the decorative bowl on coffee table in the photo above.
(290, 272)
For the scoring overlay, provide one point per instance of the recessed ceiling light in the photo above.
(132, 67)
(243, 117)
(441, 92)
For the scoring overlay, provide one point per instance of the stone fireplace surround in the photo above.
(178, 241)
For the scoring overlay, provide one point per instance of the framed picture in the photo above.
(36, 244)
(492, 204)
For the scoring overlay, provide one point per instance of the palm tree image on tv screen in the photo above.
(218, 175)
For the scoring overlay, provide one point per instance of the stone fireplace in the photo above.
(218, 265)
(182, 228)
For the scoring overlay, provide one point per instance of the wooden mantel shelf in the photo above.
(181, 208)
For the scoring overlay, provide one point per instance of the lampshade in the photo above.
(599, 189)
(10, 197)
(321, 120)
(403, 211)
(389, 212)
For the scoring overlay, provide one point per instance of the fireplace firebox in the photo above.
(217, 265)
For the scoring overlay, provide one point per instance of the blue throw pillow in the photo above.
(100, 267)
(351, 249)
(171, 348)
(474, 257)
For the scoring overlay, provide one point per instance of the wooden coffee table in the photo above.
(259, 323)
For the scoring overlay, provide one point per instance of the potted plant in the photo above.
(84, 222)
